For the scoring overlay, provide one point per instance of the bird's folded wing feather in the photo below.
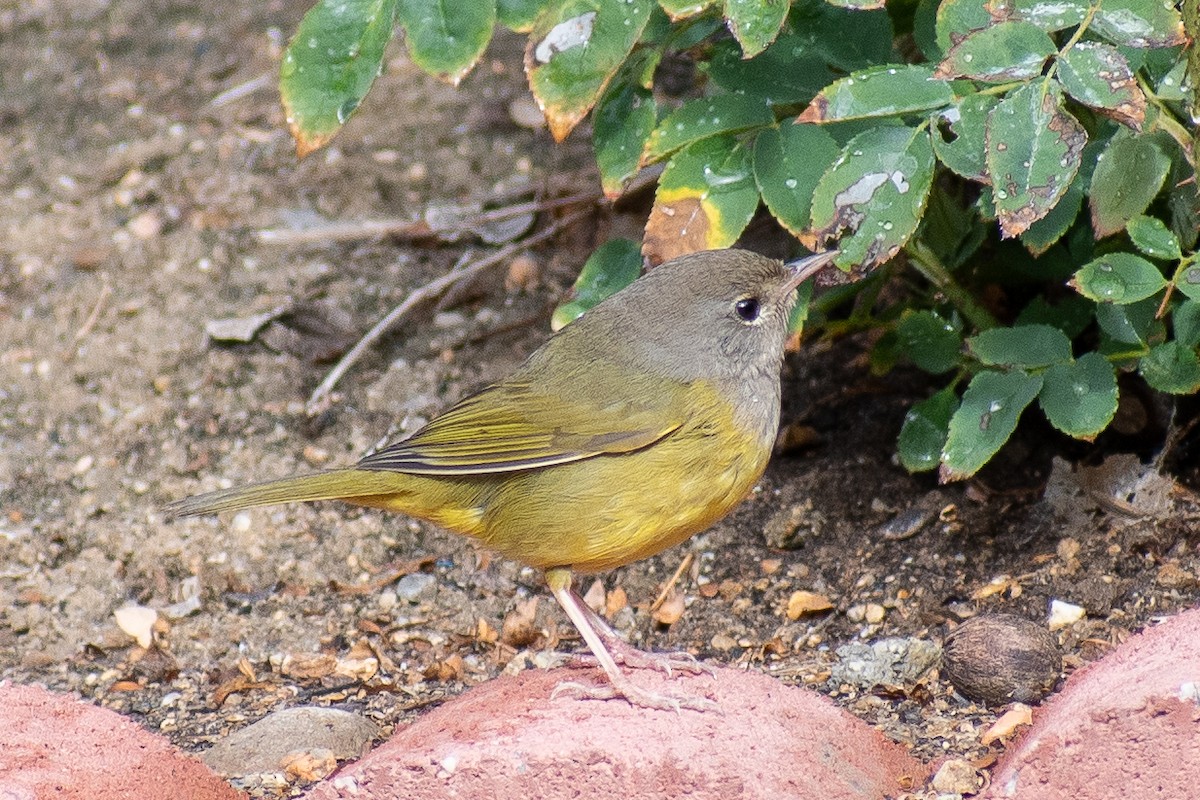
(512, 426)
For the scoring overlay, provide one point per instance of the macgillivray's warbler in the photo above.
(638, 425)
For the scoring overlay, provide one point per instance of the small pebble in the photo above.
(524, 111)
(241, 522)
(957, 777)
(412, 586)
(1063, 614)
(146, 225)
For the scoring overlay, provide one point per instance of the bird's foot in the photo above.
(635, 696)
(667, 663)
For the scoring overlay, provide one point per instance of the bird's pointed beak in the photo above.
(804, 268)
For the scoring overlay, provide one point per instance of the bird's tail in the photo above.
(335, 485)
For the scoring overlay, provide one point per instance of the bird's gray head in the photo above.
(718, 314)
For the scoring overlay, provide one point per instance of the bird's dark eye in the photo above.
(747, 309)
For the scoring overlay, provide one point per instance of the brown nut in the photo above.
(1000, 658)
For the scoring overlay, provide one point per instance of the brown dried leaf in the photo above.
(615, 602)
(670, 610)
(307, 666)
(803, 602)
(520, 627)
(309, 765)
(1020, 714)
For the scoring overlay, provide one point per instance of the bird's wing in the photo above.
(512, 426)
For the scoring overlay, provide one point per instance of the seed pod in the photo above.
(1001, 658)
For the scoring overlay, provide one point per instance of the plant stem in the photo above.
(923, 259)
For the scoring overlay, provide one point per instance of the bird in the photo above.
(640, 424)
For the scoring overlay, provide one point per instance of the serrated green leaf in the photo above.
(931, 342)
(519, 15)
(1150, 235)
(873, 195)
(446, 38)
(704, 117)
(1173, 86)
(988, 415)
(956, 19)
(789, 71)
(575, 50)
(1070, 315)
(1172, 368)
(1028, 346)
(858, 5)
(682, 9)
(706, 197)
(1049, 15)
(1118, 278)
(1185, 322)
(1007, 51)
(330, 64)
(1129, 173)
(923, 435)
(621, 124)
(888, 90)
(788, 162)
(1188, 282)
(1098, 75)
(1034, 149)
(613, 266)
(1130, 324)
(1080, 398)
(1043, 234)
(848, 39)
(960, 139)
(1139, 23)
(755, 23)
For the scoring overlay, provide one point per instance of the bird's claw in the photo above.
(635, 696)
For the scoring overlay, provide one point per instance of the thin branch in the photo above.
(319, 401)
(412, 229)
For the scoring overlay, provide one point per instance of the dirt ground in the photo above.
(132, 186)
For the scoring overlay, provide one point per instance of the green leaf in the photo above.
(446, 38)
(799, 314)
(1028, 346)
(1139, 23)
(682, 9)
(788, 162)
(704, 117)
(705, 198)
(958, 18)
(988, 415)
(1070, 315)
(1172, 368)
(1043, 234)
(1129, 324)
(1118, 278)
(873, 195)
(1008, 51)
(1185, 321)
(1098, 75)
(926, 426)
(621, 124)
(1034, 149)
(1188, 282)
(1173, 86)
(575, 50)
(755, 23)
(330, 64)
(1129, 173)
(613, 266)
(519, 15)
(849, 39)
(1049, 15)
(1080, 398)
(1150, 235)
(888, 90)
(789, 71)
(931, 342)
(960, 140)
